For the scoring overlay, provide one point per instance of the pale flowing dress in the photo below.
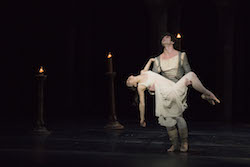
(170, 97)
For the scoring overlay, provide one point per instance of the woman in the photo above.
(170, 100)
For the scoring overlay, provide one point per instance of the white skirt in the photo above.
(170, 101)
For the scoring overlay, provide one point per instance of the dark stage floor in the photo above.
(88, 144)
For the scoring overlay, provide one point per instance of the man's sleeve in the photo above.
(156, 67)
(186, 65)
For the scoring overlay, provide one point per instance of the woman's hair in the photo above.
(135, 95)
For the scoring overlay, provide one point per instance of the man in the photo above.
(173, 64)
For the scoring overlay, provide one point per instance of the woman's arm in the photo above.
(147, 66)
(141, 89)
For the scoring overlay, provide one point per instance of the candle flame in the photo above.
(109, 55)
(178, 35)
(41, 70)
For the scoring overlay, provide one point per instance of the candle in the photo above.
(178, 36)
(41, 70)
(110, 64)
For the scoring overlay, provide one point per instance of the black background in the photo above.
(71, 40)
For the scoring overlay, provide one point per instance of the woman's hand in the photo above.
(147, 66)
(152, 59)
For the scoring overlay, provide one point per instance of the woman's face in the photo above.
(131, 82)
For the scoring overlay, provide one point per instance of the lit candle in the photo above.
(178, 36)
(110, 64)
(41, 70)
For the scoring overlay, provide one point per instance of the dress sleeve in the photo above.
(156, 66)
(143, 84)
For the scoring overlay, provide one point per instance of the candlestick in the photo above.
(40, 128)
(113, 122)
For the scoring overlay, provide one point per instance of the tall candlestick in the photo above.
(40, 128)
(113, 122)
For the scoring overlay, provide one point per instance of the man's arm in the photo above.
(186, 65)
(156, 67)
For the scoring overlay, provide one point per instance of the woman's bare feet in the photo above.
(210, 97)
(143, 124)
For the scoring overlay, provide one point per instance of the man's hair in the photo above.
(173, 39)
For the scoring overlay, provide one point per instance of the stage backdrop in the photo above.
(71, 39)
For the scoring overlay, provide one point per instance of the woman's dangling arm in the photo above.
(141, 89)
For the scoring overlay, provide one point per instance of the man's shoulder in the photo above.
(183, 52)
(157, 56)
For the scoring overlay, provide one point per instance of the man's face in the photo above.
(166, 40)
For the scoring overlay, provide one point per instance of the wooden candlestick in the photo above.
(113, 122)
(40, 128)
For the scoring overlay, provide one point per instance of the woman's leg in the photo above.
(192, 79)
